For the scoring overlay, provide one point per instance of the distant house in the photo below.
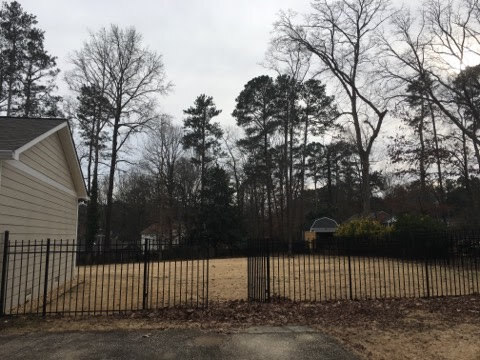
(41, 184)
(158, 237)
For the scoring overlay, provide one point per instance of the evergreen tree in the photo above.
(93, 114)
(220, 216)
(256, 112)
(202, 135)
(318, 114)
(27, 71)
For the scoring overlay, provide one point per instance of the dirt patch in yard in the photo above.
(442, 328)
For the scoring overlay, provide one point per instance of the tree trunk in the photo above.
(291, 211)
(286, 178)
(304, 161)
(202, 170)
(12, 70)
(27, 91)
(170, 190)
(329, 182)
(89, 165)
(437, 156)
(477, 154)
(366, 194)
(111, 182)
(282, 201)
(466, 172)
(269, 184)
(423, 173)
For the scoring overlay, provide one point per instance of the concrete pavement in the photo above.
(290, 342)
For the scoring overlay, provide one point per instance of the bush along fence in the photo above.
(62, 277)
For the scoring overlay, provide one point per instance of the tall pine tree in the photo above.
(27, 70)
(93, 113)
(202, 135)
(256, 112)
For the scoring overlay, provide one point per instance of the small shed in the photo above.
(321, 228)
(41, 184)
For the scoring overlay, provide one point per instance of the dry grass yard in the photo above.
(119, 287)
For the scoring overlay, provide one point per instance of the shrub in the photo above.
(362, 227)
(410, 223)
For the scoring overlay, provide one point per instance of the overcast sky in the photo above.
(211, 47)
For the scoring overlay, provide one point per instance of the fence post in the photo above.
(45, 280)
(3, 285)
(145, 274)
(349, 267)
(208, 270)
(427, 276)
(267, 288)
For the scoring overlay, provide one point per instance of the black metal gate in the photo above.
(259, 271)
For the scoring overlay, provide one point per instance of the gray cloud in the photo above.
(211, 47)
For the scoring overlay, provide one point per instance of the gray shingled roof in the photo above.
(16, 132)
(324, 223)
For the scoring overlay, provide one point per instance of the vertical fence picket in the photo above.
(3, 284)
(145, 275)
(45, 280)
(350, 276)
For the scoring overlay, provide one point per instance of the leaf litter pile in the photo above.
(438, 328)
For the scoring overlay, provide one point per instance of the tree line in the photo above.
(363, 107)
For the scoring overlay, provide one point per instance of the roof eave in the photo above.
(6, 155)
(74, 163)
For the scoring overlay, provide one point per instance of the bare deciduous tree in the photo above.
(435, 48)
(162, 152)
(342, 35)
(132, 77)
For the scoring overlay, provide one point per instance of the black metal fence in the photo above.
(62, 277)
(258, 270)
(395, 266)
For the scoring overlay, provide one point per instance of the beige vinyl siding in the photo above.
(31, 209)
(48, 158)
(26, 274)
(34, 210)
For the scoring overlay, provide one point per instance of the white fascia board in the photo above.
(16, 153)
(73, 162)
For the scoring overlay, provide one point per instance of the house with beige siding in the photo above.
(41, 184)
